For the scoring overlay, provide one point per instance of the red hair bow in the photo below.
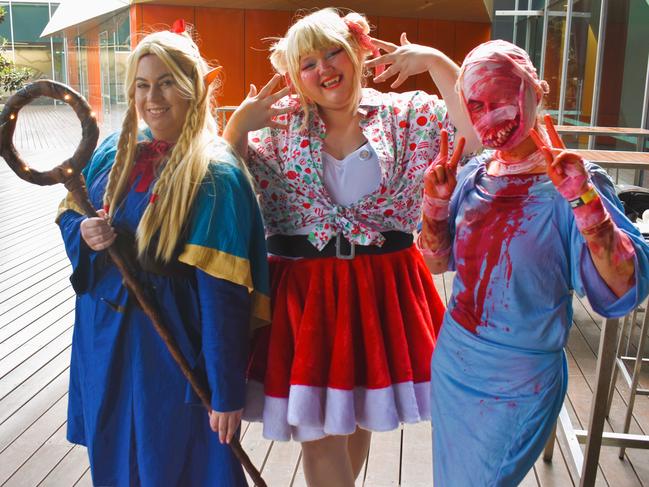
(365, 42)
(178, 26)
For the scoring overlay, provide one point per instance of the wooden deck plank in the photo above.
(417, 455)
(529, 480)
(580, 388)
(44, 460)
(555, 473)
(282, 463)
(257, 447)
(28, 270)
(8, 246)
(69, 470)
(85, 480)
(22, 394)
(55, 272)
(21, 224)
(635, 459)
(30, 442)
(36, 362)
(384, 460)
(33, 338)
(24, 310)
(21, 419)
(24, 259)
(29, 325)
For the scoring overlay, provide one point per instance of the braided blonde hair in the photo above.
(319, 30)
(178, 184)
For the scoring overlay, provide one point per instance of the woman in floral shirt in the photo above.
(339, 171)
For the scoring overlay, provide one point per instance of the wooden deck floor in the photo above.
(36, 316)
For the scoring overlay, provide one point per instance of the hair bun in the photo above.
(278, 57)
(359, 20)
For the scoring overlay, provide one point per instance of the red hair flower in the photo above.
(178, 26)
(365, 41)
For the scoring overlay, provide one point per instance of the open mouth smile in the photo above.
(331, 82)
(157, 110)
(498, 135)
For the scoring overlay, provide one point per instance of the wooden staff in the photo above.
(69, 174)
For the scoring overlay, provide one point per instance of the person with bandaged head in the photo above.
(524, 225)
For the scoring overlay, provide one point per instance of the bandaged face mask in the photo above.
(501, 105)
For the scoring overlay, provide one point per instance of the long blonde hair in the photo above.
(188, 162)
(319, 30)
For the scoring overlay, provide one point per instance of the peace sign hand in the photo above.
(439, 178)
(258, 111)
(405, 60)
(566, 169)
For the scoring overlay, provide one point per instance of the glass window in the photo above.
(114, 47)
(5, 25)
(636, 52)
(29, 21)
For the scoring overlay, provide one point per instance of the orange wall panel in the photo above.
(135, 18)
(160, 17)
(467, 36)
(439, 34)
(94, 73)
(238, 40)
(221, 40)
(259, 25)
(72, 63)
(390, 29)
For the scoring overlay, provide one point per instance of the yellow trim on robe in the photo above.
(235, 269)
(219, 264)
(68, 203)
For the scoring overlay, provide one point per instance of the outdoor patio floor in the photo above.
(36, 319)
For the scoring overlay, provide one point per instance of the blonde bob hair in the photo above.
(187, 164)
(319, 30)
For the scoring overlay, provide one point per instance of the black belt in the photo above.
(299, 246)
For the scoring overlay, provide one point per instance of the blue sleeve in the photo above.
(586, 278)
(85, 261)
(225, 316)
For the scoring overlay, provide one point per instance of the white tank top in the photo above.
(357, 175)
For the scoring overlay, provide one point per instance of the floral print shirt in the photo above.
(287, 166)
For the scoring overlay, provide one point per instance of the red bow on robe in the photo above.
(148, 156)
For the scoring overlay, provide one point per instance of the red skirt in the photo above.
(350, 344)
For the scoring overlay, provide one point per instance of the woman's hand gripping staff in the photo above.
(434, 241)
(610, 248)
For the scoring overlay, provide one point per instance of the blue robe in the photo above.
(499, 372)
(128, 400)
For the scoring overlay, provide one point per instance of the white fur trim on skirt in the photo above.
(311, 413)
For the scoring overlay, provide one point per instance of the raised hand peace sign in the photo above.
(405, 60)
(439, 178)
(565, 168)
(258, 110)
